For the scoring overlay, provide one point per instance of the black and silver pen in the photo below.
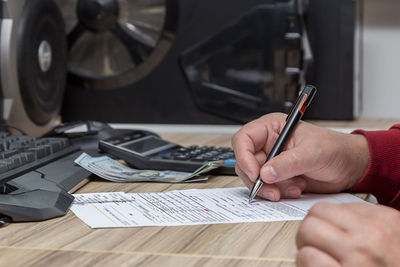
(303, 101)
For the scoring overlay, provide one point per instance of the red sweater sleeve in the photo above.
(382, 177)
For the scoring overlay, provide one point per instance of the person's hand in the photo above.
(315, 159)
(349, 235)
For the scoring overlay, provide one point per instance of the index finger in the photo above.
(246, 142)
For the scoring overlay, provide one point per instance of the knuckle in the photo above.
(304, 257)
(318, 208)
(393, 216)
(357, 259)
(378, 235)
(373, 244)
(305, 228)
(308, 223)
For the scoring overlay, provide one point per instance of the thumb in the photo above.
(286, 165)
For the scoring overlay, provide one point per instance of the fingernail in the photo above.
(269, 195)
(293, 192)
(269, 173)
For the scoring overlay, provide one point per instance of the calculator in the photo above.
(147, 150)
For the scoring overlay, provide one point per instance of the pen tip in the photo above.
(254, 191)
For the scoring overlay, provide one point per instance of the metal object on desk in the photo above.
(33, 64)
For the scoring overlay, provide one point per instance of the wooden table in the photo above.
(67, 241)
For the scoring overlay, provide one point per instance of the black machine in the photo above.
(222, 62)
(258, 33)
(146, 150)
(173, 61)
(33, 66)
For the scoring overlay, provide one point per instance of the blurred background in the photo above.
(381, 59)
(196, 62)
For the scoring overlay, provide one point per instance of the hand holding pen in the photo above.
(292, 119)
(255, 140)
(320, 160)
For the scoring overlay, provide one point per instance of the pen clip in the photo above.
(304, 99)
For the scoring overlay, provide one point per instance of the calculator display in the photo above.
(146, 145)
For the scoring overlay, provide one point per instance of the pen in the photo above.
(302, 102)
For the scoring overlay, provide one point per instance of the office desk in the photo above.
(67, 241)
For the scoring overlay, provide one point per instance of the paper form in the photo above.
(191, 207)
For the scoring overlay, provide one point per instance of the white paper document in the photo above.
(191, 207)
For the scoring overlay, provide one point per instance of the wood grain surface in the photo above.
(67, 241)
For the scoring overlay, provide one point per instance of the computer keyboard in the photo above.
(36, 175)
(20, 154)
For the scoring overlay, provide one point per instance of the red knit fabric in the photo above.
(382, 177)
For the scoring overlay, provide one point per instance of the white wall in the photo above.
(381, 59)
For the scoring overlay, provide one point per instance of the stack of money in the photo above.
(112, 170)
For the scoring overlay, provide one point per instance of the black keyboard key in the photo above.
(40, 152)
(27, 157)
(3, 167)
(8, 162)
(8, 153)
(3, 135)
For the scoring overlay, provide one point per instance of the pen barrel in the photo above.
(285, 134)
(292, 119)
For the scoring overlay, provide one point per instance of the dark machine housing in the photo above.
(224, 63)
(176, 61)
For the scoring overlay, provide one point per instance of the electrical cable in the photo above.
(5, 125)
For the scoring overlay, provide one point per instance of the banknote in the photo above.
(112, 170)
